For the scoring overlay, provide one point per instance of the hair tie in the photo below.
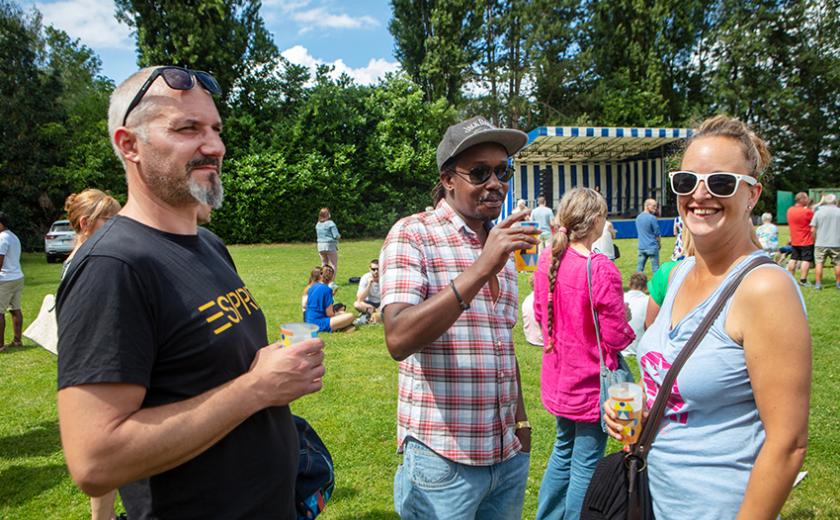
(563, 230)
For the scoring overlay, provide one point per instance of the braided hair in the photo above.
(577, 216)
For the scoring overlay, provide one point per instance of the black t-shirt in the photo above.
(169, 312)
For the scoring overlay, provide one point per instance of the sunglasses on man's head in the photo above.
(480, 174)
(176, 78)
(719, 184)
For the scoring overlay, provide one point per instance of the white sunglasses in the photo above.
(719, 184)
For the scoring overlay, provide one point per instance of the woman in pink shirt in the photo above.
(570, 368)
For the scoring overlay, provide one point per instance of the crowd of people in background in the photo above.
(814, 237)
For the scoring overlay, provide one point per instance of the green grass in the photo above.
(355, 412)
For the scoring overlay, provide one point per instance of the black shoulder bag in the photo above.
(619, 487)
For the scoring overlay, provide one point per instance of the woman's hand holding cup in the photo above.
(625, 412)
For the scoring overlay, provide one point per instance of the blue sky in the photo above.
(352, 35)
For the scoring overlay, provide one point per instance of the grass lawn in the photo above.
(355, 412)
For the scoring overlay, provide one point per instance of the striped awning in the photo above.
(581, 144)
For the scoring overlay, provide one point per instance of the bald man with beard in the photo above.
(165, 372)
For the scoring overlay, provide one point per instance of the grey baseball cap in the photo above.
(475, 131)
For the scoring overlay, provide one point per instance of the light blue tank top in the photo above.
(711, 433)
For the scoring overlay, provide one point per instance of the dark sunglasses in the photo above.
(480, 174)
(719, 184)
(176, 78)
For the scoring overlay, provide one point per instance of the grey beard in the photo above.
(212, 196)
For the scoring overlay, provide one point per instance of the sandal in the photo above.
(15, 343)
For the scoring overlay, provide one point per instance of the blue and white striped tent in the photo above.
(628, 164)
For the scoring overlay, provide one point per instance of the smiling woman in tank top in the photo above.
(735, 432)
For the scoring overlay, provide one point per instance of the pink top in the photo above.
(570, 383)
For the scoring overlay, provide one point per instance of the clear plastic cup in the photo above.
(526, 259)
(627, 401)
(291, 333)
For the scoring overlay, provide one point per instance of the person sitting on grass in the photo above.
(320, 310)
(637, 300)
(367, 297)
(314, 277)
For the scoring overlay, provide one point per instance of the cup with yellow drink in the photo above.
(627, 401)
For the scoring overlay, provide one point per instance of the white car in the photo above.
(59, 240)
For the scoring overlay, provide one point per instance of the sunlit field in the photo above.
(355, 412)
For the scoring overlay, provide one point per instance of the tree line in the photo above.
(297, 140)
(774, 64)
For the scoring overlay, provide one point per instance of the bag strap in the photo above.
(661, 402)
(594, 314)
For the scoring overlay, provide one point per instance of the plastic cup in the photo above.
(291, 333)
(627, 401)
(526, 259)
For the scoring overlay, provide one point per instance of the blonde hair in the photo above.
(314, 277)
(754, 148)
(577, 216)
(92, 204)
(324, 215)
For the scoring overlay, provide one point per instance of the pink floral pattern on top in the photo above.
(654, 365)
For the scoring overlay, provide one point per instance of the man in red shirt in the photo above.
(801, 238)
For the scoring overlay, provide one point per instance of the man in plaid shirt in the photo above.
(449, 299)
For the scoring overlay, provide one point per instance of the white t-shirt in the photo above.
(605, 243)
(373, 296)
(10, 249)
(533, 332)
(638, 301)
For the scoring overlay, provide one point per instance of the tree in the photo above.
(53, 129)
(29, 103)
(224, 37)
(775, 64)
(436, 42)
(88, 159)
(503, 66)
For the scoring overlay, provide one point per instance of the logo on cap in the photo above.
(475, 125)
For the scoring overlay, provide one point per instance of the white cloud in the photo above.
(319, 17)
(372, 73)
(92, 21)
(286, 5)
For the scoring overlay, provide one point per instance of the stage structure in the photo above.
(626, 164)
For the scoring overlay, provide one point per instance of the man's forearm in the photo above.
(148, 441)
(411, 328)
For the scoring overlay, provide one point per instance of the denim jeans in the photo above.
(576, 452)
(430, 486)
(644, 254)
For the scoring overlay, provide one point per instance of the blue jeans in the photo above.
(430, 486)
(644, 254)
(571, 464)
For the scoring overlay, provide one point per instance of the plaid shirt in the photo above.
(458, 394)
